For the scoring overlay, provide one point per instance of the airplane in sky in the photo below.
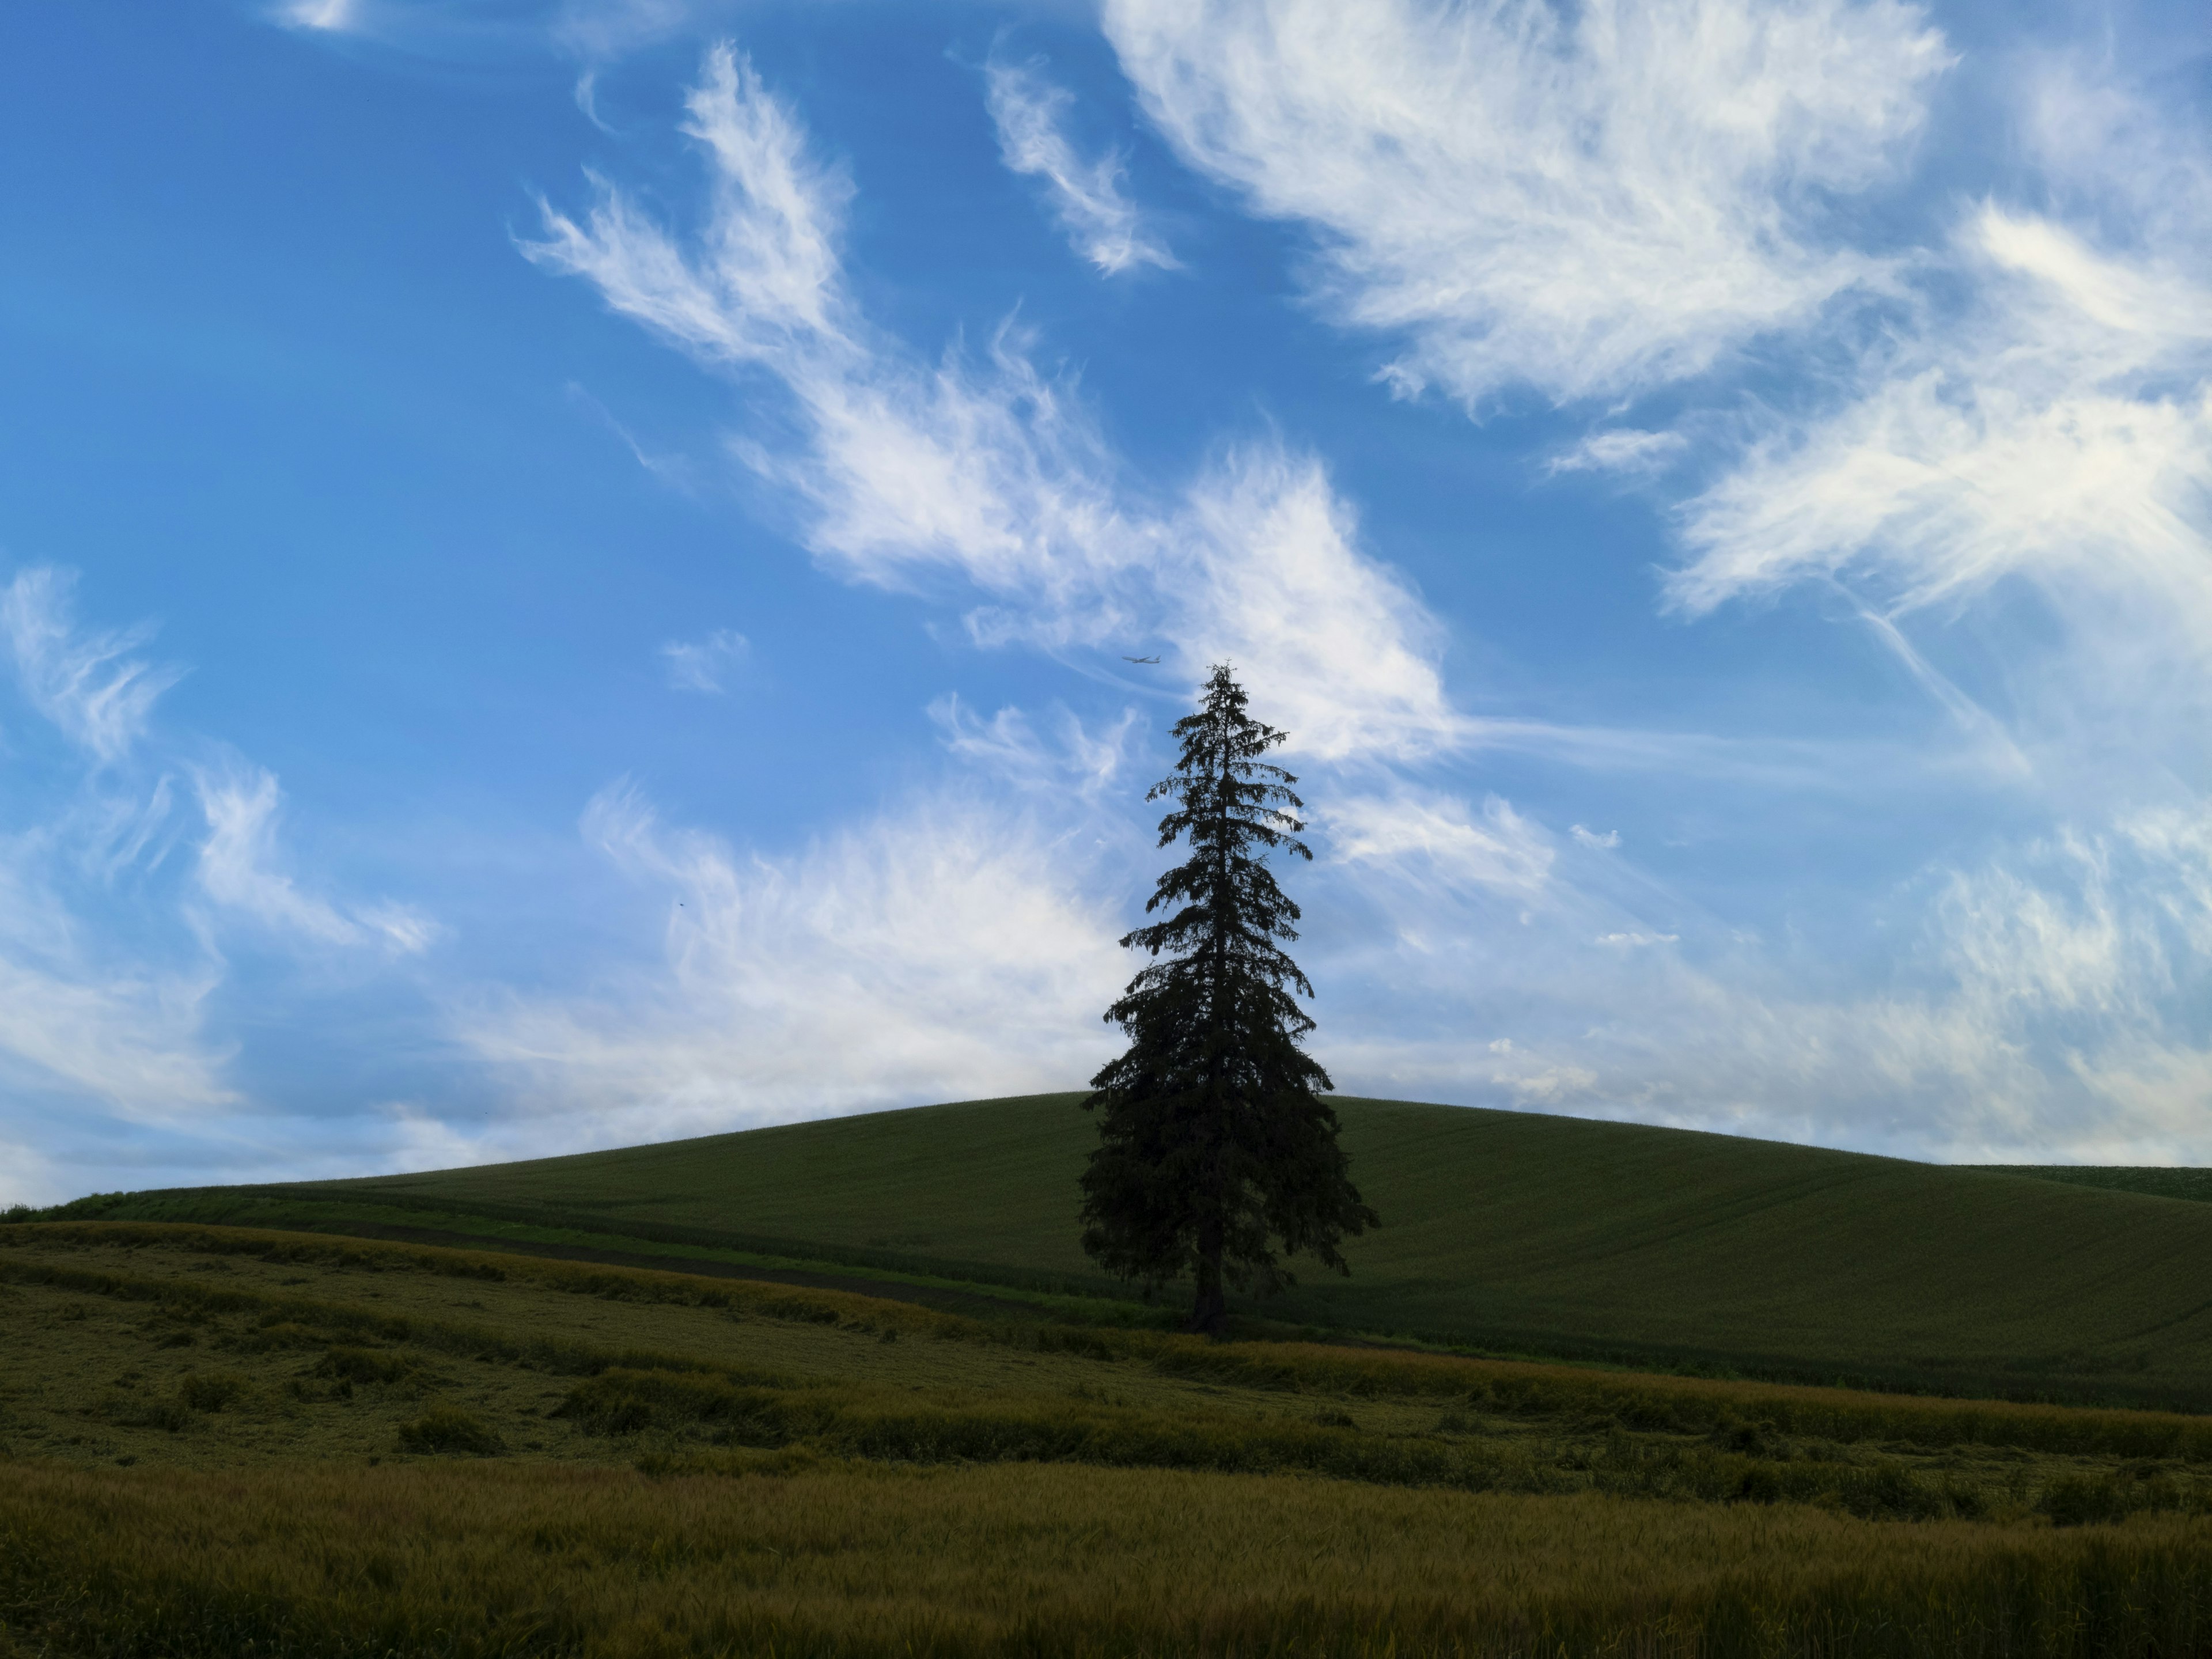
(1140, 659)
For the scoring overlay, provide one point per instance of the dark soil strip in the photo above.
(961, 1301)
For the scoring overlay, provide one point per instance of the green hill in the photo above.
(1508, 1230)
(2164, 1182)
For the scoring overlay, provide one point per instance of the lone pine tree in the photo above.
(1214, 1145)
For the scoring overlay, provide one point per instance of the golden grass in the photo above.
(487, 1559)
(218, 1442)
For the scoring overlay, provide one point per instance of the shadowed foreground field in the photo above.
(1505, 1231)
(221, 1441)
(1044, 1560)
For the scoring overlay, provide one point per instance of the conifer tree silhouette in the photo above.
(1215, 1148)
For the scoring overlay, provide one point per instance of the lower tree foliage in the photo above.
(1217, 1155)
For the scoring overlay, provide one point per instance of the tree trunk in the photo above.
(1208, 1308)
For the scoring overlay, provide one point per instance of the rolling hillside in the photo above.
(2195, 1185)
(1507, 1231)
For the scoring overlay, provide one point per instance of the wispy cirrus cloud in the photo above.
(703, 665)
(2009, 488)
(1432, 840)
(2044, 442)
(333, 16)
(987, 469)
(240, 869)
(126, 1035)
(1622, 449)
(1587, 201)
(85, 1015)
(1009, 746)
(93, 686)
(994, 471)
(937, 951)
(2059, 432)
(112, 972)
(1101, 223)
(1269, 573)
(593, 32)
(2046, 1002)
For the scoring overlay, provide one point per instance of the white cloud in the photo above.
(1621, 449)
(239, 869)
(2043, 446)
(26, 1176)
(85, 1015)
(2062, 431)
(89, 684)
(598, 31)
(1009, 746)
(2048, 1002)
(994, 470)
(594, 32)
(416, 1138)
(1587, 200)
(108, 971)
(1553, 1086)
(404, 930)
(943, 952)
(1590, 838)
(700, 665)
(987, 469)
(1330, 640)
(125, 1035)
(241, 847)
(331, 16)
(1437, 839)
(1101, 223)
(2112, 151)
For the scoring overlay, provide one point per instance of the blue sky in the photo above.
(565, 568)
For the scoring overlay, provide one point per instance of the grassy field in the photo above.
(1506, 1231)
(2195, 1185)
(217, 1441)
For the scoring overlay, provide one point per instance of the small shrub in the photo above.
(2075, 1500)
(212, 1391)
(128, 1413)
(1752, 1439)
(363, 1365)
(450, 1430)
(1760, 1485)
(279, 1334)
(1888, 1491)
(623, 1401)
(1335, 1420)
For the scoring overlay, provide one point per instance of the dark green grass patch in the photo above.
(2194, 1186)
(451, 1430)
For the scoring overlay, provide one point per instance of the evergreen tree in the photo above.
(1214, 1146)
